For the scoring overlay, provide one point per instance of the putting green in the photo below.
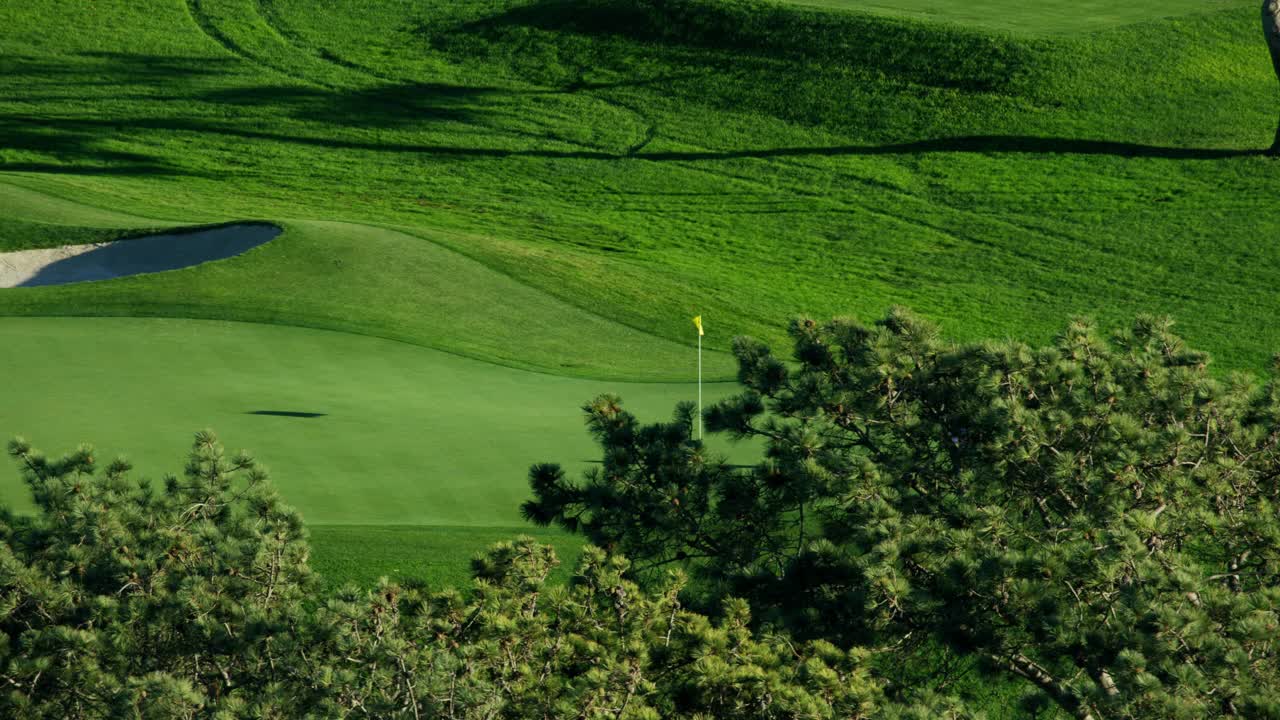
(1047, 16)
(403, 434)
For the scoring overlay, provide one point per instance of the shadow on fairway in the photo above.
(56, 169)
(287, 413)
(97, 145)
(88, 76)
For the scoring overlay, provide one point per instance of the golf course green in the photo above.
(364, 431)
(493, 210)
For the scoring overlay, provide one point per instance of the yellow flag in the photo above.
(698, 321)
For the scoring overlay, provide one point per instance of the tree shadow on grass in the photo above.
(116, 71)
(85, 145)
(384, 105)
(75, 139)
(973, 144)
(58, 169)
(979, 144)
(940, 56)
(408, 104)
(70, 150)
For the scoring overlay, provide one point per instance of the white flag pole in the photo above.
(699, 383)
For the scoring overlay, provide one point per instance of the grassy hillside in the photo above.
(644, 161)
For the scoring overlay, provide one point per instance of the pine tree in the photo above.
(193, 599)
(597, 648)
(124, 599)
(1095, 518)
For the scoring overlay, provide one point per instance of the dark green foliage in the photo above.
(1095, 517)
(596, 648)
(119, 599)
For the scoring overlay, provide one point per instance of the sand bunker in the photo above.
(153, 253)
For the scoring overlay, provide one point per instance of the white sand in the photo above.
(153, 253)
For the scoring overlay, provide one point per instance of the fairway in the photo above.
(1046, 16)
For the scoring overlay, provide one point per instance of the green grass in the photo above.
(331, 275)
(556, 186)
(19, 235)
(441, 555)
(1044, 16)
(406, 436)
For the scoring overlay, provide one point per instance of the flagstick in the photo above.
(699, 383)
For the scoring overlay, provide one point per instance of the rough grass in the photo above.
(1041, 17)
(19, 235)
